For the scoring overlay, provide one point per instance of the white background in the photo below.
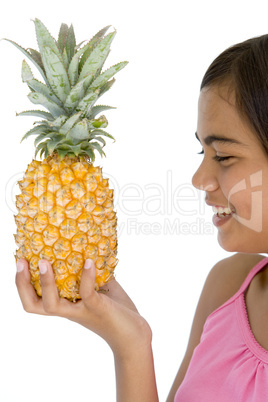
(169, 44)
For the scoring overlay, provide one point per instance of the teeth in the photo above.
(221, 210)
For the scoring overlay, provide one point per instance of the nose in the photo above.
(205, 178)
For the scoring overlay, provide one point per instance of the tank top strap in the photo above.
(257, 268)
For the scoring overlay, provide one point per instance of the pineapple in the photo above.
(65, 208)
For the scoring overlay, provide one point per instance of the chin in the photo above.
(248, 246)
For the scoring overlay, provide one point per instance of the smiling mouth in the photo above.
(222, 212)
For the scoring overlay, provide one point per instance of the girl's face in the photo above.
(233, 173)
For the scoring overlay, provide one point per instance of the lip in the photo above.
(221, 220)
(212, 204)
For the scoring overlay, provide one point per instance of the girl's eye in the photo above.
(218, 158)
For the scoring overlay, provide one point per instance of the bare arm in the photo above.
(112, 315)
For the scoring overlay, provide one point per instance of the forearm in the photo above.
(135, 377)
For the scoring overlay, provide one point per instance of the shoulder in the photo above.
(226, 277)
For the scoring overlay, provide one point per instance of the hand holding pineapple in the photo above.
(109, 313)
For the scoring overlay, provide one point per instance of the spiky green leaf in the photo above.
(97, 57)
(62, 153)
(97, 132)
(70, 43)
(30, 57)
(100, 139)
(58, 122)
(63, 33)
(89, 152)
(74, 64)
(41, 129)
(79, 132)
(91, 45)
(40, 99)
(51, 145)
(76, 94)
(44, 38)
(97, 146)
(65, 59)
(44, 152)
(50, 135)
(36, 85)
(106, 87)
(70, 123)
(56, 73)
(107, 75)
(87, 102)
(26, 73)
(37, 113)
(98, 109)
(40, 146)
(37, 57)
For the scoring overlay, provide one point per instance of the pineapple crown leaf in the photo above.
(62, 38)
(44, 38)
(100, 132)
(70, 43)
(37, 86)
(107, 75)
(26, 72)
(56, 73)
(73, 82)
(50, 135)
(95, 110)
(76, 94)
(69, 123)
(37, 57)
(58, 123)
(37, 113)
(39, 99)
(41, 129)
(79, 131)
(97, 57)
(106, 87)
(87, 102)
(92, 43)
(32, 58)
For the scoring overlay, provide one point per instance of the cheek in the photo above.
(241, 196)
(249, 196)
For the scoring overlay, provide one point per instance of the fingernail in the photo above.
(20, 266)
(88, 264)
(42, 267)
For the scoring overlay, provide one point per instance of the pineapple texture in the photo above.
(66, 215)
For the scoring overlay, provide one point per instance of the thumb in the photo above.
(87, 284)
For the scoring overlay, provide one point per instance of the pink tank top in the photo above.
(228, 365)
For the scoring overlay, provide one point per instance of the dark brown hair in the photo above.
(244, 68)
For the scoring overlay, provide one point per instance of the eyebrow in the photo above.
(219, 138)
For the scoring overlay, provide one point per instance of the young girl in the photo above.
(227, 356)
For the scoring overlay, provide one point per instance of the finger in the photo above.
(50, 295)
(87, 285)
(30, 301)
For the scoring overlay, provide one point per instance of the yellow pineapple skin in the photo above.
(66, 215)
